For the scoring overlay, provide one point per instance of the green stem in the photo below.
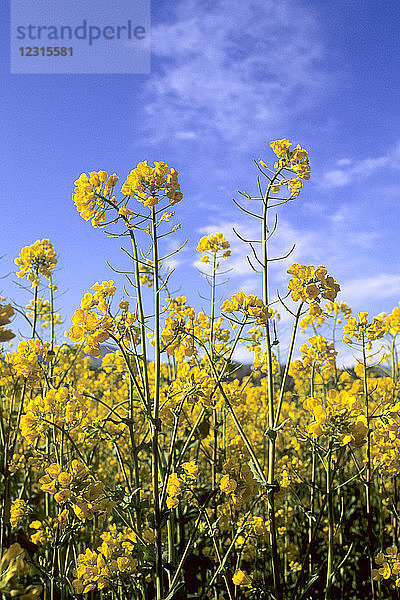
(52, 326)
(141, 319)
(393, 353)
(35, 312)
(272, 438)
(155, 424)
(215, 420)
(217, 385)
(331, 526)
(313, 478)
(289, 359)
(368, 482)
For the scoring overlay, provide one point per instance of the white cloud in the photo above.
(337, 178)
(171, 263)
(185, 135)
(237, 262)
(344, 162)
(379, 286)
(348, 171)
(228, 67)
(340, 215)
(344, 260)
(243, 355)
(314, 247)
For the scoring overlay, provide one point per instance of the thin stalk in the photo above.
(331, 526)
(392, 353)
(171, 455)
(272, 436)
(215, 420)
(368, 480)
(141, 318)
(155, 425)
(244, 437)
(134, 455)
(333, 342)
(52, 341)
(35, 311)
(217, 385)
(289, 359)
(184, 555)
(313, 477)
(217, 552)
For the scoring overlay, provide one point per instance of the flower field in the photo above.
(161, 469)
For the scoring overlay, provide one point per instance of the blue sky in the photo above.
(227, 77)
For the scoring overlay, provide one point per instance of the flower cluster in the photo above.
(178, 483)
(150, 184)
(318, 352)
(175, 488)
(251, 306)
(227, 484)
(90, 327)
(221, 335)
(58, 407)
(43, 312)
(19, 510)
(331, 309)
(295, 160)
(77, 486)
(238, 482)
(178, 333)
(113, 560)
(35, 260)
(388, 565)
(6, 312)
(393, 321)
(310, 284)
(27, 360)
(213, 244)
(193, 384)
(93, 196)
(45, 532)
(360, 329)
(341, 418)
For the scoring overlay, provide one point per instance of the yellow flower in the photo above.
(241, 579)
(151, 184)
(191, 469)
(124, 210)
(213, 244)
(26, 362)
(6, 312)
(361, 329)
(35, 260)
(252, 306)
(64, 479)
(62, 496)
(280, 147)
(19, 509)
(310, 285)
(93, 196)
(227, 484)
